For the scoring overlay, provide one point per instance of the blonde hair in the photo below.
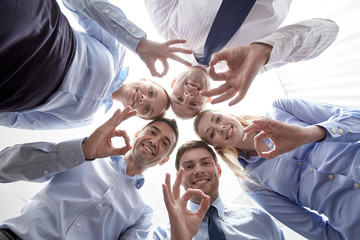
(230, 154)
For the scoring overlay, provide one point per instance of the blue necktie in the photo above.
(229, 18)
(215, 232)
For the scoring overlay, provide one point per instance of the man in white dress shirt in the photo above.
(257, 46)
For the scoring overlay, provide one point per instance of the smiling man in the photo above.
(87, 198)
(202, 171)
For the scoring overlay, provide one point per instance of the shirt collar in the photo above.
(218, 204)
(137, 180)
(244, 160)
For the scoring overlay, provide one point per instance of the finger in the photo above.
(180, 50)
(176, 186)
(258, 140)
(123, 134)
(191, 193)
(168, 185)
(228, 95)
(179, 59)
(166, 67)
(238, 98)
(175, 41)
(204, 206)
(152, 69)
(215, 91)
(216, 76)
(217, 57)
(167, 197)
(120, 151)
(113, 118)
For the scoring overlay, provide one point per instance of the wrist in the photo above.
(316, 133)
(262, 50)
(86, 150)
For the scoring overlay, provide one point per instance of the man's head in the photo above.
(150, 99)
(154, 143)
(186, 101)
(202, 170)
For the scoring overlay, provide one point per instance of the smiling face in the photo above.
(220, 129)
(186, 101)
(148, 98)
(201, 172)
(153, 144)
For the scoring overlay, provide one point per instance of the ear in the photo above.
(219, 169)
(143, 79)
(137, 134)
(164, 161)
(173, 83)
(217, 148)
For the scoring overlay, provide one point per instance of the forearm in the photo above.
(39, 160)
(301, 41)
(111, 19)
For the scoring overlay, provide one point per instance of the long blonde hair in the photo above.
(230, 154)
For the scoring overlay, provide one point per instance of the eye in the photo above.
(193, 104)
(218, 119)
(152, 132)
(146, 109)
(212, 134)
(164, 143)
(179, 98)
(151, 92)
(187, 167)
(206, 163)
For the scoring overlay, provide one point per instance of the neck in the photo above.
(249, 145)
(117, 94)
(131, 167)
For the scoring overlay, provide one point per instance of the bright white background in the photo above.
(332, 77)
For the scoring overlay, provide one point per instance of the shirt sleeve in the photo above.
(301, 220)
(162, 232)
(142, 228)
(39, 161)
(111, 19)
(301, 41)
(342, 124)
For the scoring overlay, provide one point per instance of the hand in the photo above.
(286, 137)
(99, 145)
(150, 52)
(244, 64)
(184, 223)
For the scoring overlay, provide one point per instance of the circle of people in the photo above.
(299, 162)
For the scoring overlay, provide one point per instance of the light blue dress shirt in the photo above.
(238, 222)
(315, 189)
(94, 74)
(91, 200)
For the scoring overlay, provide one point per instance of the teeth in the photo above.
(147, 148)
(201, 182)
(229, 133)
(192, 86)
(135, 97)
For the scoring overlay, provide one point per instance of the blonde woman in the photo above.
(304, 159)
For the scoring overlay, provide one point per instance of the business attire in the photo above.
(192, 20)
(93, 74)
(321, 176)
(83, 200)
(236, 221)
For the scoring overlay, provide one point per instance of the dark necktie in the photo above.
(215, 232)
(229, 18)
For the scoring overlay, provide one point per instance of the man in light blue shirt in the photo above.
(96, 199)
(202, 172)
(92, 70)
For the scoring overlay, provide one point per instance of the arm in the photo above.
(302, 41)
(184, 223)
(114, 22)
(42, 160)
(305, 222)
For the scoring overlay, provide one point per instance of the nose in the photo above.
(188, 95)
(142, 99)
(198, 170)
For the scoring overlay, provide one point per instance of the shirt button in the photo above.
(71, 154)
(107, 11)
(357, 185)
(133, 30)
(299, 163)
(270, 145)
(340, 131)
(333, 130)
(330, 176)
(78, 224)
(128, 37)
(46, 172)
(77, 162)
(100, 204)
(312, 169)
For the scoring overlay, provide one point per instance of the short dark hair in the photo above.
(172, 124)
(193, 145)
